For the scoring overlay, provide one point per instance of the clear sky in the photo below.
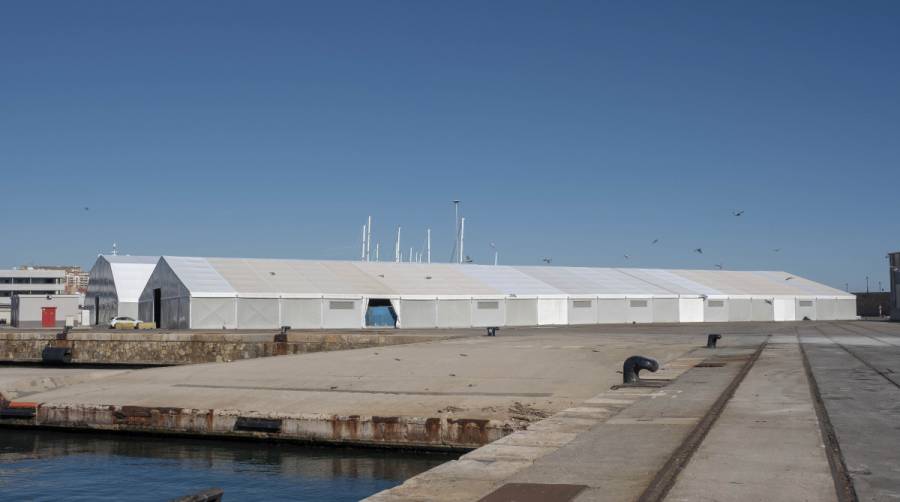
(580, 131)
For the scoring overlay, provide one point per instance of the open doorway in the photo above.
(96, 310)
(157, 306)
(380, 313)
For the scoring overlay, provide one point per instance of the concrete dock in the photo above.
(780, 411)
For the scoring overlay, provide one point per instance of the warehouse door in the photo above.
(380, 313)
(157, 306)
(48, 317)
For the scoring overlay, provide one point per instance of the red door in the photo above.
(48, 317)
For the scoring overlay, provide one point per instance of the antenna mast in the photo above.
(462, 237)
(369, 239)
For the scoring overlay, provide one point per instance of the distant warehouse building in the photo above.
(205, 293)
(115, 285)
(46, 311)
(27, 281)
(894, 260)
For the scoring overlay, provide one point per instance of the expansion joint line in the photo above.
(843, 483)
(666, 477)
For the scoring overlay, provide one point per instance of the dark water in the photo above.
(48, 465)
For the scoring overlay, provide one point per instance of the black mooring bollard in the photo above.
(711, 340)
(634, 364)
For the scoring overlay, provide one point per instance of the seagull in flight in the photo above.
(738, 213)
(788, 277)
(626, 256)
(777, 250)
(654, 241)
(699, 250)
(719, 266)
(546, 260)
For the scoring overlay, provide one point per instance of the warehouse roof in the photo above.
(266, 277)
(130, 274)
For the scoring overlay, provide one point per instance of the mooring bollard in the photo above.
(64, 334)
(711, 340)
(634, 364)
(282, 337)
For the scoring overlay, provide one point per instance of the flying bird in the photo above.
(626, 256)
(719, 266)
(654, 241)
(546, 260)
(87, 208)
(699, 250)
(788, 277)
(777, 250)
(738, 213)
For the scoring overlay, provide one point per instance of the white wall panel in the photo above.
(785, 309)
(715, 310)
(665, 309)
(805, 307)
(690, 309)
(825, 309)
(301, 313)
(257, 313)
(762, 309)
(213, 313)
(454, 314)
(639, 310)
(739, 309)
(612, 311)
(552, 311)
(582, 310)
(418, 314)
(845, 308)
(342, 313)
(488, 312)
(522, 312)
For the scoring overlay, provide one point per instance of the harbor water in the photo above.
(50, 465)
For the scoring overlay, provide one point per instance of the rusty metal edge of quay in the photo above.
(665, 479)
(445, 434)
(843, 483)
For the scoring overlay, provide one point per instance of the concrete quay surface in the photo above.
(768, 442)
(780, 411)
(453, 393)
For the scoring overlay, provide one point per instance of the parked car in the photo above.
(115, 321)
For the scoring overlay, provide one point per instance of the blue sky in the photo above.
(575, 130)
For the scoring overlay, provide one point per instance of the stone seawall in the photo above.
(174, 348)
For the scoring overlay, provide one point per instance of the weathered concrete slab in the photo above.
(614, 453)
(453, 393)
(766, 445)
(20, 381)
(856, 371)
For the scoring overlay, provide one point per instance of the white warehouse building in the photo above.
(115, 285)
(234, 293)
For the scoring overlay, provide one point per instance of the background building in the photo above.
(894, 260)
(46, 311)
(27, 281)
(115, 286)
(185, 292)
(76, 280)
